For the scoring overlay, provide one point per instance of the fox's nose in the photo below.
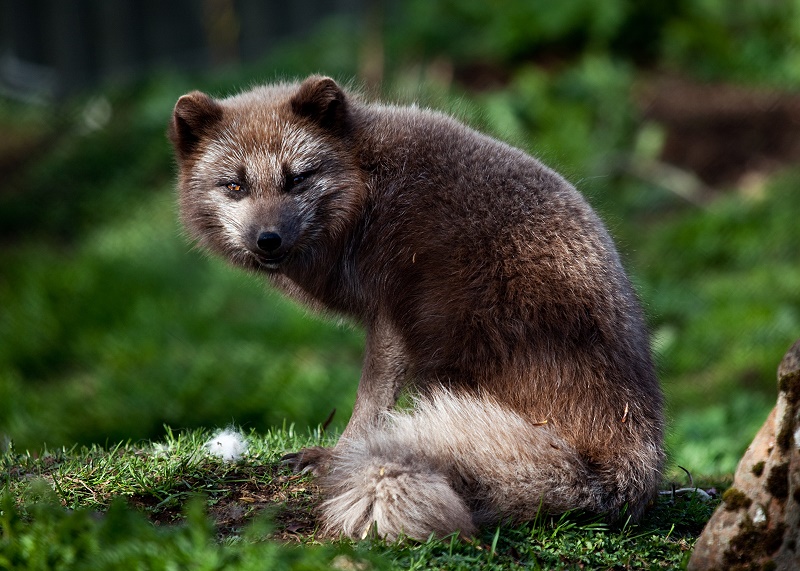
(269, 242)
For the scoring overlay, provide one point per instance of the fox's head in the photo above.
(267, 177)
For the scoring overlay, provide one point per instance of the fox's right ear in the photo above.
(194, 116)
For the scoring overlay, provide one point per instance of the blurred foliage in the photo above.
(510, 31)
(111, 325)
(705, 37)
(130, 330)
(120, 538)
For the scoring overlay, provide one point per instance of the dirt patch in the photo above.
(239, 497)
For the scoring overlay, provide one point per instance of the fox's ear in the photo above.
(321, 100)
(194, 116)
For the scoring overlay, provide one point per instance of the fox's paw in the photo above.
(314, 459)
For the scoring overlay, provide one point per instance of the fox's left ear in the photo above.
(321, 100)
(195, 115)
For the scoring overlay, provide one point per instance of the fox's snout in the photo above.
(269, 243)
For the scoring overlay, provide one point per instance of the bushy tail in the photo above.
(451, 463)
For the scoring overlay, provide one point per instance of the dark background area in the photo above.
(53, 49)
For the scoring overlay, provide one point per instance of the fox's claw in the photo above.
(313, 459)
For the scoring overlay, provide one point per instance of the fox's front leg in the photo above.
(382, 378)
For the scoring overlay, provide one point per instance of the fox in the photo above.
(491, 294)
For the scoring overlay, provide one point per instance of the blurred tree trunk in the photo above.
(372, 56)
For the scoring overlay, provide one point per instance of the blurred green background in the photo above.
(679, 120)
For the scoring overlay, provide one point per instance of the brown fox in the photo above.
(489, 289)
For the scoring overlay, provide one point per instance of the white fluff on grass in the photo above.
(227, 444)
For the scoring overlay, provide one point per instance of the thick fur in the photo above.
(487, 286)
(401, 476)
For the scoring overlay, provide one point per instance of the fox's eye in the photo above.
(294, 180)
(234, 187)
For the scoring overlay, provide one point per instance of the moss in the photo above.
(778, 481)
(753, 544)
(736, 499)
(758, 468)
(790, 384)
(784, 438)
(745, 546)
(773, 538)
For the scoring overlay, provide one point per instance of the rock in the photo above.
(757, 526)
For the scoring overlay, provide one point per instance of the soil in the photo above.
(242, 495)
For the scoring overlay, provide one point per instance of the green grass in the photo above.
(210, 514)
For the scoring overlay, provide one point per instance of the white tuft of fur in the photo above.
(394, 499)
(227, 444)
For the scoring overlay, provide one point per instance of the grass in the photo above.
(160, 477)
(210, 514)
